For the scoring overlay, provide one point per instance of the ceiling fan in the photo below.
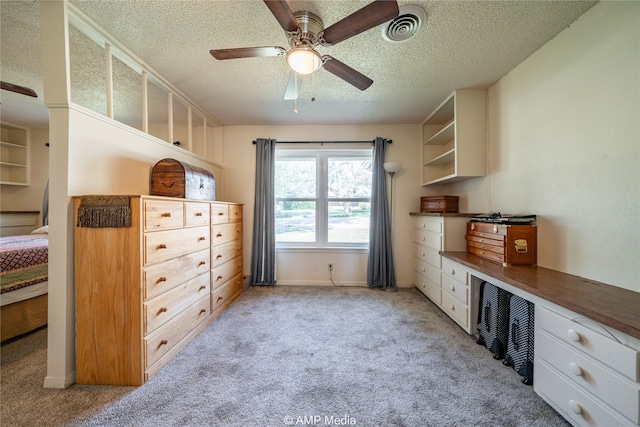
(305, 31)
(18, 89)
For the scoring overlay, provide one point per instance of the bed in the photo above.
(23, 282)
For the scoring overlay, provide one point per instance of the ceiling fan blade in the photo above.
(18, 89)
(283, 14)
(247, 52)
(346, 73)
(371, 15)
(293, 86)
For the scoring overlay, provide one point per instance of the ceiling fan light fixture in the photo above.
(304, 60)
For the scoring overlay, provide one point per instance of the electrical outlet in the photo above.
(330, 267)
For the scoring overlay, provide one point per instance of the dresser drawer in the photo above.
(428, 224)
(219, 214)
(163, 215)
(196, 214)
(223, 233)
(431, 273)
(235, 213)
(160, 341)
(225, 272)
(455, 309)
(428, 239)
(160, 309)
(455, 271)
(164, 245)
(165, 275)
(570, 401)
(225, 252)
(602, 348)
(430, 289)
(224, 293)
(428, 255)
(620, 394)
(457, 289)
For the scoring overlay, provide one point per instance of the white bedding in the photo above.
(24, 293)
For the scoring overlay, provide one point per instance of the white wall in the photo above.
(310, 267)
(564, 143)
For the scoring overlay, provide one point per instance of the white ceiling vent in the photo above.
(409, 21)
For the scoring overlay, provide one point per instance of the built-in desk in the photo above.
(587, 339)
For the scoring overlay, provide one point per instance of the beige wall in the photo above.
(310, 266)
(564, 143)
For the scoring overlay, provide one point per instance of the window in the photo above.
(322, 198)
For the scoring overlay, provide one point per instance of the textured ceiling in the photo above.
(464, 44)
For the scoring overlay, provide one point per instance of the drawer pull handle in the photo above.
(575, 407)
(198, 213)
(162, 279)
(220, 213)
(453, 288)
(423, 239)
(162, 246)
(218, 278)
(162, 310)
(202, 287)
(201, 263)
(219, 256)
(453, 307)
(575, 369)
(453, 272)
(202, 238)
(424, 269)
(218, 300)
(422, 253)
(219, 235)
(166, 215)
(202, 310)
(163, 342)
(573, 335)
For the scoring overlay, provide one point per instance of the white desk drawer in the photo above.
(431, 273)
(455, 309)
(428, 255)
(604, 349)
(621, 394)
(455, 288)
(571, 401)
(430, 289)
(455, 271)
(428, 224)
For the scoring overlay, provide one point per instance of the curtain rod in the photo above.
(326, 142)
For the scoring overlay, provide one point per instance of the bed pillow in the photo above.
(42, 230)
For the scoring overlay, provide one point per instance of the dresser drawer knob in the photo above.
(218, 300)
(198, 213)
(453, 307)
(573, 335)
(218, 278)
(202, 287)
(220, 213)
(219, 235)
(162, 310)
(202, 310)
(166, 215)
(162, 246)
(423, 254)
(575, 369)
(163, 342)
(202, 238)
(453, 272)
(423, 239)
(453, 288)
(201, 263)
(161, 279)
(219, 256)
(575, 407)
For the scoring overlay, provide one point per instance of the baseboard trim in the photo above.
(60, 382)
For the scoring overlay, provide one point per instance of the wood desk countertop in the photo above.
(609, 305)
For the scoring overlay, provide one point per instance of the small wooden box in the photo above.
(503, 243)
(447, 204)
(173, 178)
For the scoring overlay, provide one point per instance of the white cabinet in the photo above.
(455, 138)
(14, 155)
(584, 371)
(430, 235)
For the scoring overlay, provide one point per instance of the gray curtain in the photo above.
(380, 269)
(263, 249)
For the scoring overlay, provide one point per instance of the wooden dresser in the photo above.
(144, 291)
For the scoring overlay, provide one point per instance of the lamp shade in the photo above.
(391, 167)
(304, 60)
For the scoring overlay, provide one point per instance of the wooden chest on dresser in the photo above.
(144, 291)
(503, 243)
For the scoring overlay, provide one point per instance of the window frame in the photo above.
(322, 199)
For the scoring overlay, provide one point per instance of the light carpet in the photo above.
(296, 356)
